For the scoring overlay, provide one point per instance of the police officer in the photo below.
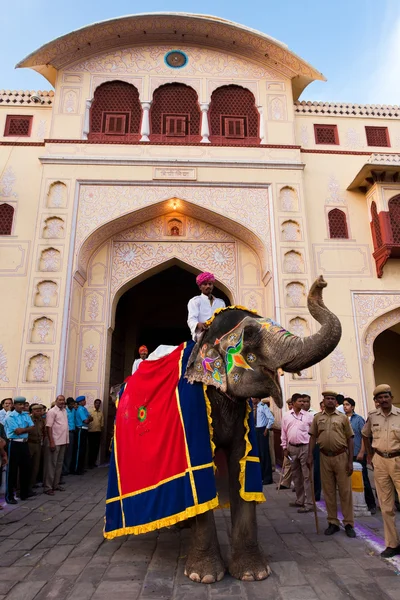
(383, 426)
(18, 424)
(332, 431)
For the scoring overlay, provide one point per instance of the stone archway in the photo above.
(134, 254)
(370, 372)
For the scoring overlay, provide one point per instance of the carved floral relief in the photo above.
(3, 365)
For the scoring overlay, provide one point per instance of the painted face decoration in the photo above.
(227, 356)
(235, 358)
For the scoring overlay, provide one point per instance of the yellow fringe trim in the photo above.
(234, 307)
(248, 496)
(209, 419)
(192, 511)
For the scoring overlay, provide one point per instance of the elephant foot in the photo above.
(249, 565)
(205, 567)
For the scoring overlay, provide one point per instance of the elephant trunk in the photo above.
(305, 352)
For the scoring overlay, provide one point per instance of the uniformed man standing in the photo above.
(18, 424)
(332, 431)
(82, 420)
(383, 426)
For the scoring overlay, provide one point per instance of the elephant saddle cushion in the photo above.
(162, 469)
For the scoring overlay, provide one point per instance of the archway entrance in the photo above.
(153, 312)
(386, 365)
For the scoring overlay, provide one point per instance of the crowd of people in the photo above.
(319, 449)
(40, 446)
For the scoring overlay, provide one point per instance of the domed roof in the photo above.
(171, 28)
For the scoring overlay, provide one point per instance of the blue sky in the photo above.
(355, 43)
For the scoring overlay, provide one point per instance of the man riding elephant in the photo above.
(238, 356)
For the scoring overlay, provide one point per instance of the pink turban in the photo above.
(203, 277)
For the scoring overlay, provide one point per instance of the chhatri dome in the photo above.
(171, 28)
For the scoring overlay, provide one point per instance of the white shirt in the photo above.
(200, 310)
(136, 364)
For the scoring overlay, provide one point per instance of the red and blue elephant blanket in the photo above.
(161, 468)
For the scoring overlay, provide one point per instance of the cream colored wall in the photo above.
(354, 292)
(286, 212)
(42, 115)
(206, 70)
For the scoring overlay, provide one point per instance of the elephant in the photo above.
(239, 356)
(250, 352)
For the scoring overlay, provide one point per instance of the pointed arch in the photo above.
(337, 224)
(175, 114)
(234, 118)
(115, 113)
(6, 219)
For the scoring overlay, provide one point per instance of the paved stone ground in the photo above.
(52, 548)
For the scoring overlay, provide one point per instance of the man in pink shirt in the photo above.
(294, 441)
(55, 446)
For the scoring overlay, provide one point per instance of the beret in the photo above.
(380, 389)
(19, 399)
(80, 399)
(329, 393)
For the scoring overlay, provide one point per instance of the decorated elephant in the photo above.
(240, 355)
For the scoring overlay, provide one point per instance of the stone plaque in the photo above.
(189, 174)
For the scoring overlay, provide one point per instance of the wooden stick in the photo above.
(313, 498)
(282, 472)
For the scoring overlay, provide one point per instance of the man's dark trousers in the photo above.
(265, 457)
(81, 435)
(19, 459)
(69, 453)
(94, 438)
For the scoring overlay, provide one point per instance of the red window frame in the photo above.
(11, 118)
(318, 127)
(370, 130)
(237, 124)
(109, 116)
(176, 125)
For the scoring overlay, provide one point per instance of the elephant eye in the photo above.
(251, 357)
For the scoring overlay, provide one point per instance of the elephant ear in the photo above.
(206, 365)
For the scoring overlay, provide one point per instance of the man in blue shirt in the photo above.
(82, 420)
(71, 412)
(17, 426)
(263, 421)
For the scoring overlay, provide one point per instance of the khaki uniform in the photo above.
(35, 443)
(385, 433)
(332, 432)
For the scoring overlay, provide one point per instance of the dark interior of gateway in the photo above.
(153, 312)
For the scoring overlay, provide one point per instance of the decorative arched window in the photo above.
(376, 227)
(116, 113)
(394, 216)
(175, 114)
(234, 118)
(6, 219)
(337, 224)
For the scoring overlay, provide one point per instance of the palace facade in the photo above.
(172, 144)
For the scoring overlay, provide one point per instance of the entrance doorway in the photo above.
(386, 365)
(153, 312)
